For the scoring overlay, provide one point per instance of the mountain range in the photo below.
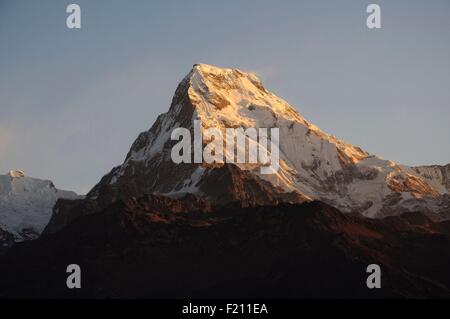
(314, 165)
(225, 229)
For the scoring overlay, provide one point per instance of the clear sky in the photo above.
(73, 101)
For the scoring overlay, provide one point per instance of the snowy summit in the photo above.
(26, 204)
(314, 165)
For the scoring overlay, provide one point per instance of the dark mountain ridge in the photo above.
(133, 250)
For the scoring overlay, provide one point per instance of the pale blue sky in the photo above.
(73, 101)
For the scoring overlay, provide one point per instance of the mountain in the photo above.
(160, 247)
(314, 165)
(152, 228)
(26, 205)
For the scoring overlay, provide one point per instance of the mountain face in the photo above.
(314, 165)
(26, 206)
(439, 178)
(152, 247)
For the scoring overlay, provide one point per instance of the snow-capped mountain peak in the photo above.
(313, 163)
(26, 204)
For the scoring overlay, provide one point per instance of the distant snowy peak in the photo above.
(313, 164)
(436, 175)
(26, 204)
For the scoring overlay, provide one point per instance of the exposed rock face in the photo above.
(141, 248)
(67, 211)
(314, 165)
(226, 184)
